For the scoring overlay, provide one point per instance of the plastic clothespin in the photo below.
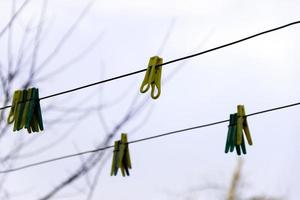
(19, 110)
(33, 116)
(38, 112)
(124, 158)
(242, 124)
(11, 115)
(114, 166)
(121, 157)
(231, 136)
(153, 77)
(34, 120)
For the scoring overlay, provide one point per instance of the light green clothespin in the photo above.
(153, 77)
(19, 110)
(11, 115)
(124, 158)
(121, 157)
(242, 124)
(114, 166)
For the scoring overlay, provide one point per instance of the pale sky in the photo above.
(261, 73)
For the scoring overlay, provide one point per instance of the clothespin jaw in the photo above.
(121, 157)
(242, 125)
(153, 77)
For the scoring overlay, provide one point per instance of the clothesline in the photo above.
(163, 64)
(142, 139)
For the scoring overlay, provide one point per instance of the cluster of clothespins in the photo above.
(26, 113)
(235, 137)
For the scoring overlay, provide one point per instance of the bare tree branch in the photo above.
(73, 60)
(94, 158)
(9, 40)
(64, 38)
(12, 19)
(37, 40)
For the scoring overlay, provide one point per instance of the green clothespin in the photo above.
(231, 136)
(121, 157)
(242, 124)
(38, 112)
(33, 116)
(27, 107)
(30, 109)
(153, 77)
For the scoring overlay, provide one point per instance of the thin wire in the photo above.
(166, 63)
(142, 139)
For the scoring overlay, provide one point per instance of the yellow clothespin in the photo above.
(114, 166)
(19, 109)
(11, 115)
(153, 77)
(242, 124)
(121, 157)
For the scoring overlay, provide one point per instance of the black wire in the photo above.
(166, 63)
(141, 140)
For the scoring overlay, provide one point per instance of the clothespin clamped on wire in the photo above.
(235, 138)
(26, 111)
(153, 77)
(121, 157)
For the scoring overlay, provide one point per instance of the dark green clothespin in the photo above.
(231, 136)
(153, 77)
(34, 120)
(121, 157)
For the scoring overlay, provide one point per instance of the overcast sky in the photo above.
(261, 73)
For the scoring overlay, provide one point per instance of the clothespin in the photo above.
(242, 124)
(26, 111)
(231, 136)
(114, 166)
(33, 116)
(13, 110)
(235, 138)
(21, 96)
(153, 77)
(121, 157)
